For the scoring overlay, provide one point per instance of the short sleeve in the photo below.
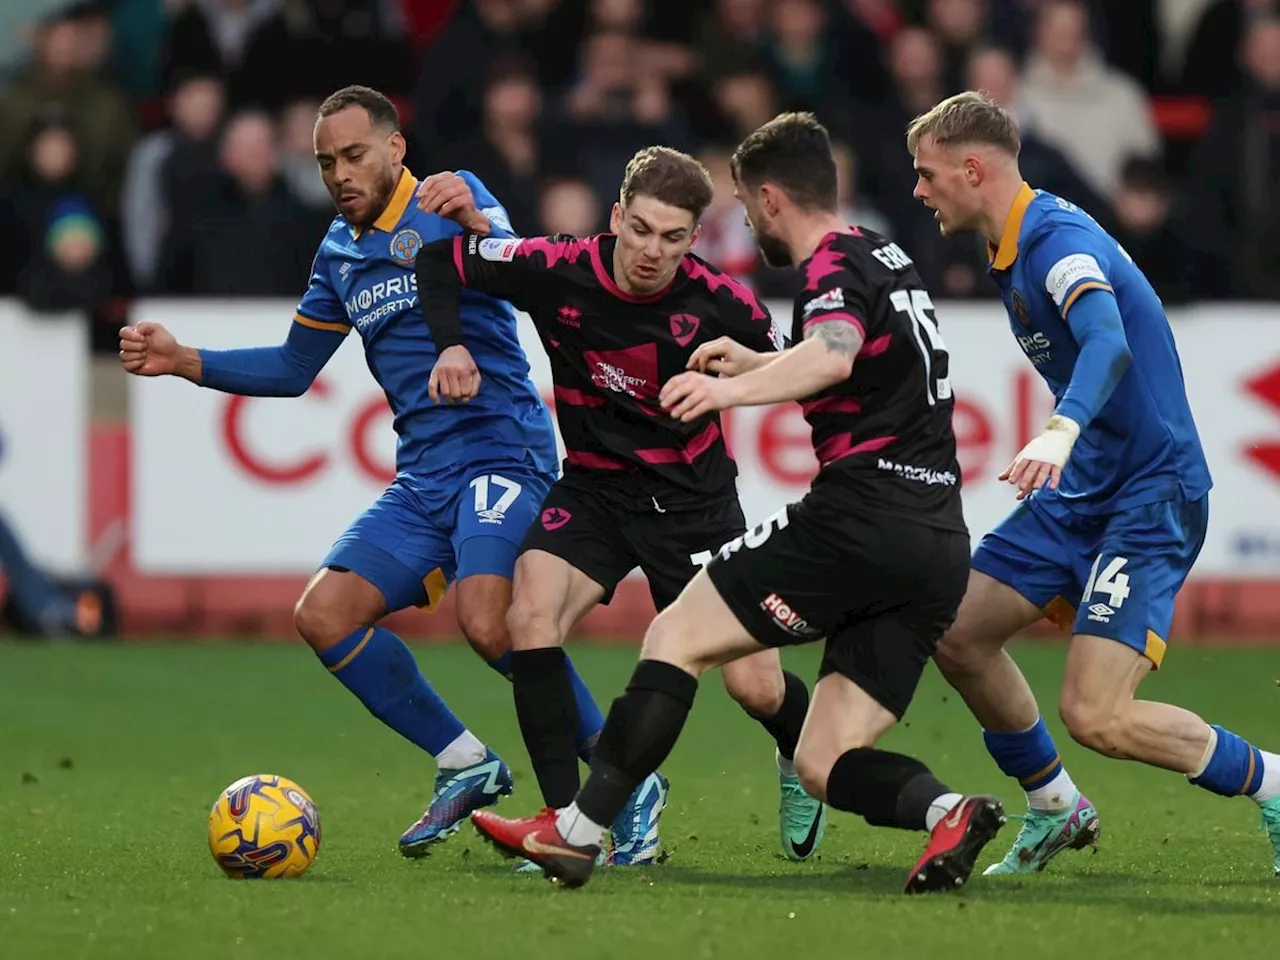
(1071, 260)
(320, 306)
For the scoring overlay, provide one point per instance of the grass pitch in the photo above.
(110, 757)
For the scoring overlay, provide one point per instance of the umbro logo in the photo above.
(1101, 613)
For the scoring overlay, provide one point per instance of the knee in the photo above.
(813, 768)
(962, 653)
(1093, 724)
(759, 690)
(321, 622)
(531, 624)
(486, 631)
(667, 640)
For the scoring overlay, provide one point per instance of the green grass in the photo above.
(111, 756)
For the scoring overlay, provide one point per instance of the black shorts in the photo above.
(881, 590)
(607, 540)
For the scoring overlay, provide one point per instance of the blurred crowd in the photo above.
(163, 147)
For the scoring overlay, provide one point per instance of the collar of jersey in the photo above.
(396, 206)
(1002, 259)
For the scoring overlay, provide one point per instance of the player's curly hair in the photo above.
(382, 112)
(670, 176)
(793, 151)
(970, 117)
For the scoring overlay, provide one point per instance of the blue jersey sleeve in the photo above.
(488, 205)
(1073, 264)
(320, 306)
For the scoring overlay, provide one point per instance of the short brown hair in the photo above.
(382, 112)
(667, 175)
(969, 117)
(793, 150)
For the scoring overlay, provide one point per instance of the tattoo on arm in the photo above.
(836, 336)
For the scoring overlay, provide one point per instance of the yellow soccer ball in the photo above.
(264, 827)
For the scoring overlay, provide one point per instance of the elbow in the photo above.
(837, 369)
(296, 384)
(1123, 358)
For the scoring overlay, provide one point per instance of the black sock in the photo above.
(548, 718)
(642, 727)
(785, 725)
(887, 789)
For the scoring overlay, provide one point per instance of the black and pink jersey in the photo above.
(886, 430)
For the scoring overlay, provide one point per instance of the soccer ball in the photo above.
(264, 827)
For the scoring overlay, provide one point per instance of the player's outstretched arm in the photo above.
(728, 358)
(823, 359)
(284, 370)
(1089, 306)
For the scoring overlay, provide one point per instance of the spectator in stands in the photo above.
(745, 98)
(448, 98)
(298, 156)
(169, 170)
(96, 113)
(726, 240)
(732, 33)
(215, 37)
(993, 71)
(881, 18)
(61, 250)
(853, 208)
(808, 64)
(1143, 228)
(1091, 112)
(569, 206)
(1235, 181)
(1212, 66)
(249, 237)
(615, 109)
(960, 26)
(505, 152)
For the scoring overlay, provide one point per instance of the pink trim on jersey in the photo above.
(457, 259)
(873, 348)
(846, 317)
(841, 446)
(831, 405)
(594, 461)
(576, 398)
(606, 281)
(692, 450)
(554, 250)
(715, 279)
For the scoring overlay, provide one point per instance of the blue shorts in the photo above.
(1111, 576)
(424, 532)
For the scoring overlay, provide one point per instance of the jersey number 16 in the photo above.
(919, 310)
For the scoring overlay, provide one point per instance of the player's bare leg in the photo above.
(1099, 708)
(973, 658)
(482, 601)
(780, 701)
(337, 617)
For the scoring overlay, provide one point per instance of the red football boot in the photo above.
(536, 839)
(954, 845)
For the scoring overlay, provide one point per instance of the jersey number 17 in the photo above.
(918, 307)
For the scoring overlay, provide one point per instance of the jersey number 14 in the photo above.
(918, 307)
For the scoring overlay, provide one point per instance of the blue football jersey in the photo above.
(364, 278)
(1142, 447)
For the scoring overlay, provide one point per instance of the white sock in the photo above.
(785, 767)
(1055, 796)
(1270, 788)
(940, 807)
(578, 829)
(1209, 749)
(465, 751)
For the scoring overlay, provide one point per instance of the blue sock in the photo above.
(590, 720)
(1030, 756)
(1235, 767)
(377, 667)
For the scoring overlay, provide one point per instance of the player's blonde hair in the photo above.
(969, 117)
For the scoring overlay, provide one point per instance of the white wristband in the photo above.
(1054, 444)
